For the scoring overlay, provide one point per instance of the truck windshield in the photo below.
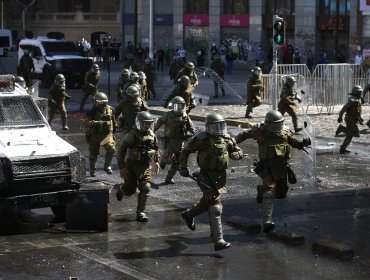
(60, 47)
(19, 110)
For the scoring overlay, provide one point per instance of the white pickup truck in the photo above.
(37, 167)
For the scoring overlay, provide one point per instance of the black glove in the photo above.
(306, 142)
(184, 171)
(340, 119)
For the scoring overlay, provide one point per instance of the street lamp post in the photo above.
(25, 8)
(150, 29)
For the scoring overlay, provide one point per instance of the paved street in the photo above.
(329, 208)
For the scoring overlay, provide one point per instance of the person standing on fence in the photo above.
(287, 104)
(353, 116)
(219, 67)
(254, 89)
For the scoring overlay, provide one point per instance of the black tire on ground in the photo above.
(59, 212)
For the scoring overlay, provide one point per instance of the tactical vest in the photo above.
(274, 146)
(175, 126)
(356, 109)
(109, 124)
(287, 92)
(216, 156)
(144, 149)
(130, 109)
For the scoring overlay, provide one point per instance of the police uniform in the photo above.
(177, 129)
(274, 153)
(352, 110)
(148, 69)
(122, 81)
(90, 86)
(192, 76)
(185, 93)
(26, 67)
(219, 67)
(175, 67)
(101, 126)
(287, 104)
(366, 90)
(137, 150)
(56, 97)
(254, 88)
(213, 154)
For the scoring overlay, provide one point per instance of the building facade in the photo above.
(244, 25)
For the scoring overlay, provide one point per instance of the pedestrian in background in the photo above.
(56, 100)
(229, 61)
(310, 60)
(26, 67)
(352, 109)
(160, 58)
(214, 148)
(274, 142)
(149, 71)
(167, 54)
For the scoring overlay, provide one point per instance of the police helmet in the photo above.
(216, 125)
(257, 71)
(274, 121)
(189, 65)
(144, 121)
(178, 105)
(142, 75)
(134, 77)
(100, 100)
(184, 81)
(20, 81)
(357, 91)
(125, 74)
(95, 68)
(133, 91)
(290, 80)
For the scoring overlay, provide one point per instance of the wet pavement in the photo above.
(332, 206)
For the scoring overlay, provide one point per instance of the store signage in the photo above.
(234, 21)
(196, 19)
(163, 19)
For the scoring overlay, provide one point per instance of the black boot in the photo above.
(190, 221)
(340, 129)
(343, 150)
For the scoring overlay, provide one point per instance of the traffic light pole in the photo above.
(274, 66)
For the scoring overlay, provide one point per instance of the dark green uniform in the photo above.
(101, 126)
(26, 67)
(129, 107)
(219, 67)
(287, 104)
(185, 93)
(149, 71)
(192, 76)
(90, 86)
(144, 89)
(175, 67)
(213, 155)
(254, 88)
(136, 152)
(366, 90)
(177, 129)
(122, 84)
(352, 110)
(56, 97)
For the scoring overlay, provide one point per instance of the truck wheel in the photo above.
(47, 78)
(59, 212)
(9, 223)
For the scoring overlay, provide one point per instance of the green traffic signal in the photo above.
(279, 39)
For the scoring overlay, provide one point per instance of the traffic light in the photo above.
(279, 30)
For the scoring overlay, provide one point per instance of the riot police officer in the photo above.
(219, 67)
(56, 98)
(90, 84)
(129, 107)
(274, 142)
(26, 67)
(214, 149)
(136, 152)
(101, 126)
(353, 109)
(143, 85)
(184, 90)
(287, 104)
(366, 90)
(175, 67)
(178, 128)
(254, 89)
(123, 79)
(149, 71)
(131, 62)
(188, 71)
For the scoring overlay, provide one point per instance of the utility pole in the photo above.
(25, 8)
(150, 29)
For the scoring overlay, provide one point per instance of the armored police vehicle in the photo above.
(51, 57)
(37, 168)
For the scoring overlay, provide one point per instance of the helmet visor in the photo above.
(145, 125)
(101, 104)
(178, 108)
(274, 126)
(217, 128)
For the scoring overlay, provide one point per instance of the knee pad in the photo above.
(145, 187)
(216, 209)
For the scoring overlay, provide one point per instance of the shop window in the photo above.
(329, 7)
(280, 7)
(236, 7)
(196, 7)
